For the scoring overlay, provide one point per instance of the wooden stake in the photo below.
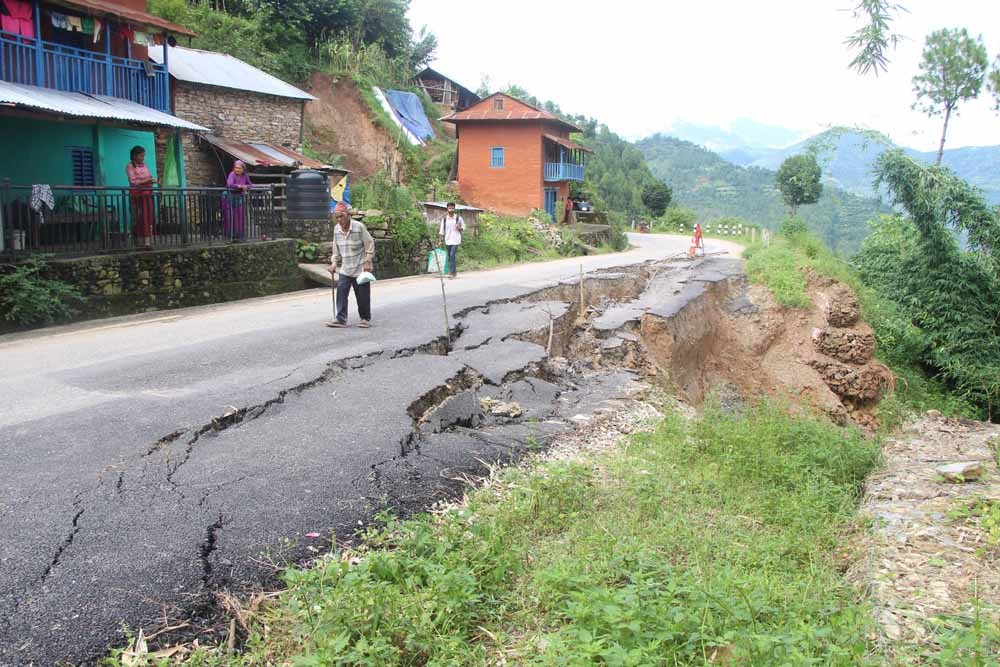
(444, 301)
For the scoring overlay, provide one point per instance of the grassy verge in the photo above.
(714, 541)
(782, 267)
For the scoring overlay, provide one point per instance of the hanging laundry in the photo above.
(74, 24)
(125, 33)
(141, 38)
(41, 196)
(18, 19)
(88, 25)
(59, 21)
(98, 26)
(158, 39)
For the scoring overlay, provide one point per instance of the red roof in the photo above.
(101, 8)
(485, 110)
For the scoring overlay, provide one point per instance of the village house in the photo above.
(514, 157)
(252, 116)
(77, 93)
(447, 93)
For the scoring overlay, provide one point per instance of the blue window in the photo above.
(496, 157)
(82, 161)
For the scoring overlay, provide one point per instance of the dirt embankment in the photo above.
(339, 122)
(701, 333)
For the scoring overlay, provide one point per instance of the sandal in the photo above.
(364, 324)
(336, 324)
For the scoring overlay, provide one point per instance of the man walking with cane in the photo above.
(450, 233)
(353, 252)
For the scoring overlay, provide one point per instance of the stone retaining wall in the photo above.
(140, 282)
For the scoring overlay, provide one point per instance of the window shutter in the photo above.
(82, 161)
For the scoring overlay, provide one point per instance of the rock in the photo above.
(848, 345)
(841, 307)
(557, 366)
(497, 408)
(934, 414)
(859, 384)
(964, 471)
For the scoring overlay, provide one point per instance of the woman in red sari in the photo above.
(140, 181)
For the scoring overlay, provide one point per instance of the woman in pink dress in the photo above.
(140, 181)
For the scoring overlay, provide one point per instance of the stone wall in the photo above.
(140, 282)
(390, 260)
(235, 114)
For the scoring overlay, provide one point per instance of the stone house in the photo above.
(242, 107)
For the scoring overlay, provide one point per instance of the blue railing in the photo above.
(563, 171)
(76, 70)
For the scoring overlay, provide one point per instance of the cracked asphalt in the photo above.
(148, 461)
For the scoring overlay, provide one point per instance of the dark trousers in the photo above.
(453, 259)
(362, 293)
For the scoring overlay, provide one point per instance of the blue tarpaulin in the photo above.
(410, 112)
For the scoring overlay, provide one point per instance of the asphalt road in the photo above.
(124, 497)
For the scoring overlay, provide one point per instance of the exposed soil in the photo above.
(735, 340)
(339, 122)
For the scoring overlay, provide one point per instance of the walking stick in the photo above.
(444, 301)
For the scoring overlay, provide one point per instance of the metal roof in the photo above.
(221, 69)
(458, 207)
(103, 8)
(484, 110)
(263, 154)
(83, 105)
(566, 143)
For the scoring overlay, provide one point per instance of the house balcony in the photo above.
(563, 171)
(35, 62)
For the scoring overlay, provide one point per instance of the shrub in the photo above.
(28, 297)
(306, 251)
(674, 218)
(792, 227)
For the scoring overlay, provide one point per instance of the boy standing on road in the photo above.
(353, 251)
(450, 233)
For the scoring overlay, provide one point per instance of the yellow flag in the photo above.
(337, 191)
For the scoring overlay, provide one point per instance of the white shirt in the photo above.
(451, 229)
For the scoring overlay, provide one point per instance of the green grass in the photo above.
(702, 542)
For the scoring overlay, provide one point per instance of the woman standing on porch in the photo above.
(233, 217)
(141, 196)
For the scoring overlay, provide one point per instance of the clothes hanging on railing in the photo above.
(74, 24)
(98, 26)
(41, 196)
(19, 18)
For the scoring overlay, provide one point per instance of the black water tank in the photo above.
(308, 195)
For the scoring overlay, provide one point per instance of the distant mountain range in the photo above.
(742, 133)
(847, 158)
(714, 187)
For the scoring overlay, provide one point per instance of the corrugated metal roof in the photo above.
(221, 69)
(484, 110)
(458, 207)
(562, 141)
(137, 17)
(263, 154)
(83, 105)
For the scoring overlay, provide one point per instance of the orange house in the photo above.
(514, 157)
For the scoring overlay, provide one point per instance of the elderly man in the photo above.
(353, 251)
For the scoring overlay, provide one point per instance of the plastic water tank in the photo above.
(308, 195)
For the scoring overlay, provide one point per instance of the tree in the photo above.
(952, 71)
(798, 180)
(656, 197)
(993, 81)
(875, 37)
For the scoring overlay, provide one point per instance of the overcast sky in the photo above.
(639, 65)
